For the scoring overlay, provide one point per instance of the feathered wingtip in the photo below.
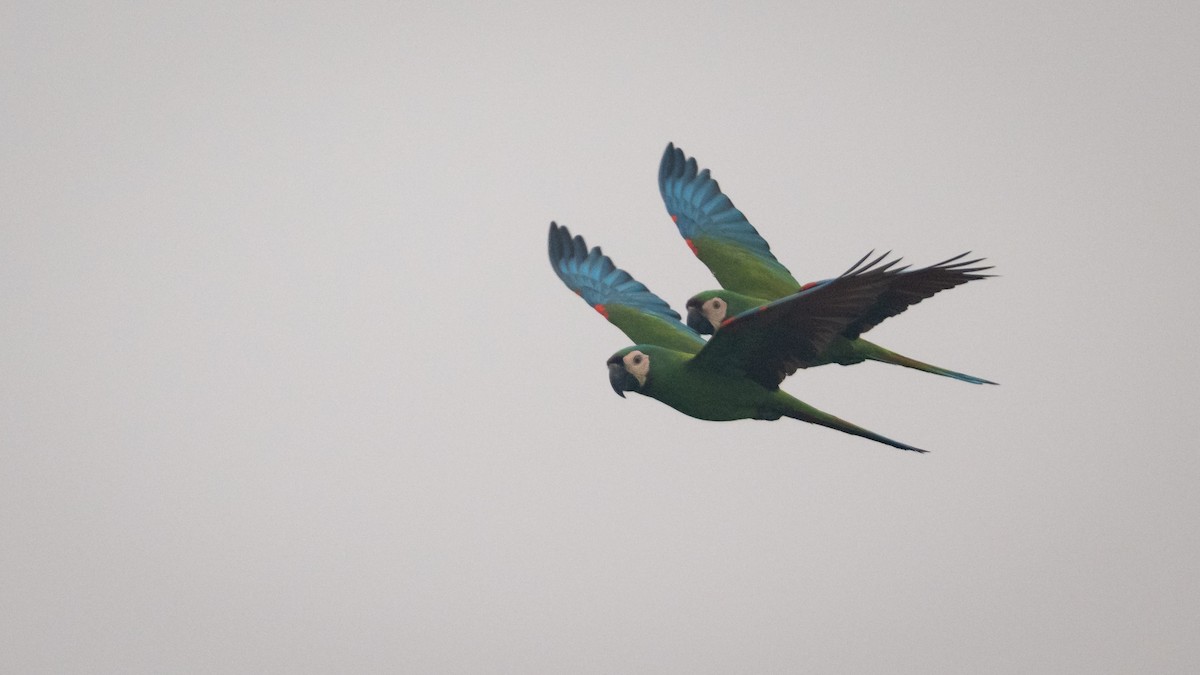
(596, 278)
(963, 267)
(874, 266)
(674, 164)
(563, 246)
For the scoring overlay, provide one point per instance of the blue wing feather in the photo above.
(593, 276)
(699, 208)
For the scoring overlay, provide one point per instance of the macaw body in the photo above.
(675, 379)
(736, 374)
(750, 275)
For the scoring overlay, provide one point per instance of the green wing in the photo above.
(717, 232)
(617, 296)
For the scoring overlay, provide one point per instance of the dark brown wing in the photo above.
(769, 343)
(912, 286)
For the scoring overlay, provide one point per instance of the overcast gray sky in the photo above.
(287, 384)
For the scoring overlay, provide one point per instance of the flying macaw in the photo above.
(736, 374)
(750, 275)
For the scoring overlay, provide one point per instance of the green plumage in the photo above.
(650, 329)
(678, 380)
(742, 270)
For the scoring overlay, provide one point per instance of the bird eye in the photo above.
(717, 304)
(637, 360)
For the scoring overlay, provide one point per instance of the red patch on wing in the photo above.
(695, 251)
(674, 218)
(809, 285)
(728, 321)
(602, 309)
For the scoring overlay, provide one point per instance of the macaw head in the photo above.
(628, 370)
(708, 310)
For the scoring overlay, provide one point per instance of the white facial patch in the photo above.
(714, 310)
(637, 364)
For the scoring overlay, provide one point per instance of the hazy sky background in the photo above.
(287, 383)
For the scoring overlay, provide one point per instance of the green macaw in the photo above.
(736, 374)
(750, 275)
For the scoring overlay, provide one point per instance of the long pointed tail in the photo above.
(876, 353)
(797, 409)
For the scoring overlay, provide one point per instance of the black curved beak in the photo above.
(619, 378)
(697, 322)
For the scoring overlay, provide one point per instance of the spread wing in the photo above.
(770, 342)
(912, 286)
(717, 232)
(617, 296)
